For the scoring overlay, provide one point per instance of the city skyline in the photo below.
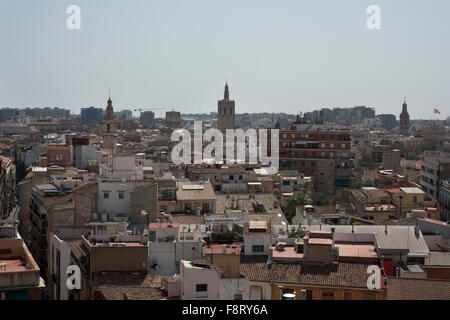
(296, 58)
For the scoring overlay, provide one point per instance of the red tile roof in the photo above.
(417, 289)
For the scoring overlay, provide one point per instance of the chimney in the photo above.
(385, 229)
(68, 141)
(224, 248)
(417, 231)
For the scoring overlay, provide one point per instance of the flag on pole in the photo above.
(437, 111)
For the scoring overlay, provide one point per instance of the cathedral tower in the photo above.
(109, 127)
(226, 112)
(404, 120)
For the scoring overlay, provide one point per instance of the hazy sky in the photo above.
(278, 56)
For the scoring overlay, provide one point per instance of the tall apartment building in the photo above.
(444, 199)
(173, 119)
(433, 137)
(147, 118)
(91, 115)
(226, 112)
(7, 186)
(389, 121)
(435, 167)
(57, 113)
(344, 116)
(52, 209)
(320, 151)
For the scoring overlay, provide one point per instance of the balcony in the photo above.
(343, 172)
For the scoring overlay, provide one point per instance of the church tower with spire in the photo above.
(404, 120)
(109, 127)
(226, 112)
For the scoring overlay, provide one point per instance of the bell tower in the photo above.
(226, 118)
(404, 120)
(109, 127)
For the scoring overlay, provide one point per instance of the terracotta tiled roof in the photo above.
(131, 293)
(114, 286)
(417, 289)
(130, 279)
(255, 268)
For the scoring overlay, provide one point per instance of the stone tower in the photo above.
(109, 127)
(404, 120)
(226, 112)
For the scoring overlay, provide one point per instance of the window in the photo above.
(121, 193)
(105, 195)
(201, 288)
(240, 177)
(258, 248)
(348, 295)
(323, 145)
(331, 145)
(369, 296)
(328, 295)
(343, 145)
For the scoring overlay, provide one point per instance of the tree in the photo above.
(298, 199)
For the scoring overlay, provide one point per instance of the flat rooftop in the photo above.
(117, 244)
(231, 248)
(360, 250)
(13, 265)
(320, 241)
(288, 253)
(164, 225)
